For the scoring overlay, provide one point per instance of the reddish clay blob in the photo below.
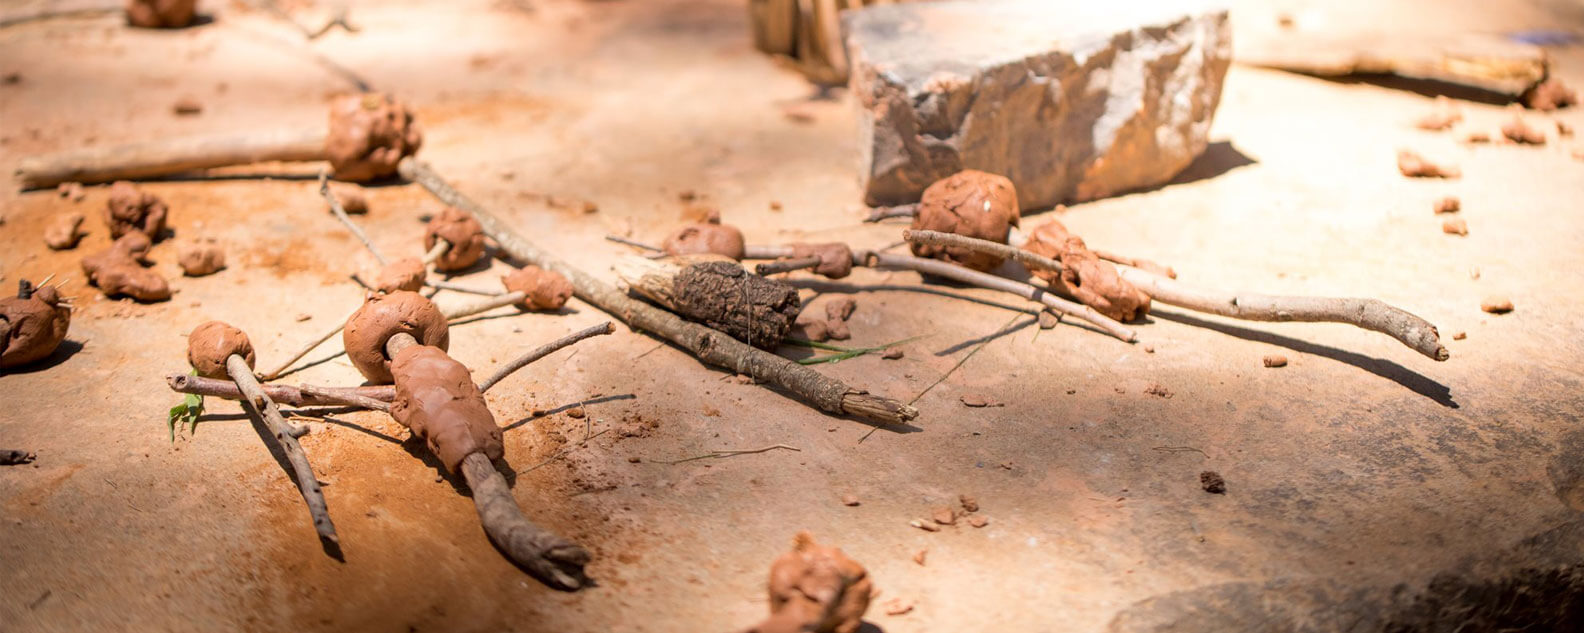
(369, 134)
(210, 344)
(406, 273)
(545, 290)
(464, 233)
(437, 400)
(1413, 165)
(1094, 282)
(835, 258)
(351, 198)
(64, 232)
(1519, 131)
(971, 203)
(38, 323)
(119, 271)
(130, 209)
(382, 316)
(201, 257)
(814, 588)
(161, 14)
(1549, 95)
(704, 238)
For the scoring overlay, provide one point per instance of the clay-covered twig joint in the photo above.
(366, 137)
(708, 345)
(217, 350)
(401, 338)
(1370, 314)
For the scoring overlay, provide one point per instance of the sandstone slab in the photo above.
(1072, 100)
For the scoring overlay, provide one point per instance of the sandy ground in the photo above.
(1356, 475)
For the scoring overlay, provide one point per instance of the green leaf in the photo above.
(186, 414)
(852, 352)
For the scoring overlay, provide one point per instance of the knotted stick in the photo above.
(307, 482)
(1370, 314)
(299, 396)
(549, 557)
(709, 346)
(543, 351)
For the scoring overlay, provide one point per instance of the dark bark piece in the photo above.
(747, 307)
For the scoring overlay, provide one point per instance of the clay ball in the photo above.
(706, 238)
(131, 209)
(210, 344)
(464, 233)
(351, 198)
(369, 134)
(161, 14)
(384, 315)
(201, 257)
(818, 588)
(971, 203)
(406, 273)
(544, 289)
(38, 323)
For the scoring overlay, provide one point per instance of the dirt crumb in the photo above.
(892, 353)
(1519, 131)
(1549, 95)
(1157, 389)
(187, 106)
(161, 14)
(64, 231)
(1412, 165)
(1444, 116)
(922, 524)
(944, 515)
(978, 520)
(1275, 360)
(919, 556)
(1496, 304)
(1212, 482)
(201, 257)
(1454, 226)
(978, 401)
(71, 191)
(1049, 320)
(969, 504)
(898, 606)
(849, 500)
(1449, 204)
(1458, 336)
(1477, 138)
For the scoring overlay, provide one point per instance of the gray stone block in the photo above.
(1071, 99)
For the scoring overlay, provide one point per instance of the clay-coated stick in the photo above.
(708, 345)
(299, 396)
(307, 482)
(1031, 292)
(550, 558)
(1370, 314)
(341, 214)
(173, 156)
(543, 351)
(786, 265)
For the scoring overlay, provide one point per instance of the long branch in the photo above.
(708, 345)
(1370, 314)
(543, 351)
(307, 482)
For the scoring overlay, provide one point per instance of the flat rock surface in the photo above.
(1072, 100)
(1362, 478)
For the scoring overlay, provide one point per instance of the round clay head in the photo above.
(161, 14)
(705, 238)
(544, 290)
(130, 209)
(406, 273)
(381, 317)
(971, 203)
(463, 232)
(818, 587)
(210, 344)
(37, 324)
(369, 134)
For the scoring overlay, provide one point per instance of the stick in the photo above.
(345, 397)
(341, 214)
(545, 350)
(899, 211)
(303, 351)
(446, 285)
(634, 243)
(1370, 314)
(307, 482)
(172, 156)
(439, 250)
(986, 280)
(786, 265)
(1142, 264)
(300, 396)
(550, 558)
(709, 346)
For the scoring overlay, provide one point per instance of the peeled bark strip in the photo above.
(710, 346)
(719, 294)
(307, 482)
(1370, 314)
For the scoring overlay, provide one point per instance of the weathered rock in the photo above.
(1071, 100)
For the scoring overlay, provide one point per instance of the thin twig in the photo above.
(545, 350)
(280, 370)
(634, 243)
(1370, 314)
(728, 453)
(446, 285)
(341, 214)
(307, 482)
(954, 368)
(898, 211)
